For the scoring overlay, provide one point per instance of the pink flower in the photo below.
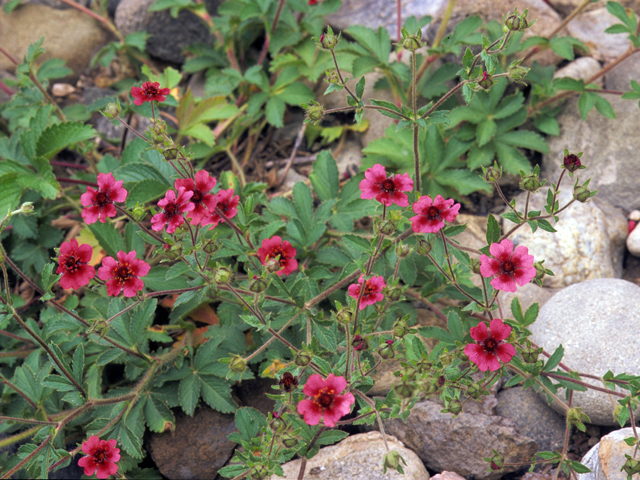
(102, 456)
(372, 290)
(72, 263)
(385, 190)
(227, 203)
(510, 266)
(204, 203)
(325, 400)
(100, 203)
(123, 274)
(274, 247)
(172, 210)
(149, 92)
(432, 214)
(490, 345)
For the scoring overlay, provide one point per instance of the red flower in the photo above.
(73, 264)
(149, 92)
(102, 456)
(172, 210)
(325, 400)
(100, 203)
(490, 345)
(432, 214)
(385, 190)
(510, 266)
(313, 2)
(372, 290)
(227, 203)
(204, 203)
(123, 274)
(274, 247)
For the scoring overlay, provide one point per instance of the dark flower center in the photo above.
(490, 345)
(100, 456)
(197, 196)
(102, 198)
(150, 89)
(275, 251)
(122, 272)
(170, 210)
(508, 267)
(71, 263)
(325, 399)
(388, 185)
(433, 212)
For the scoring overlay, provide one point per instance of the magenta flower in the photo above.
(72, 263)
(274, 247)
(123, 274)
(204, 202)
(372, 290)
(227, 203)
(490, 345)
(432, 214)
(325, 400)
(102, 456)
(172, 210)
(99, 203)
(149, 92)
(385, 190)
(509, 266)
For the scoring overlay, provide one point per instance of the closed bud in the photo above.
(386, 350)
(210, 247)
(138, 212)
(222, 275)
(392, 461)
(277, 424)
(496, 461)
(631, 466)
(258, 472)
(257, 284)
(302, 358)
(447, 357)
(423, 247)
(427, 385)
(516, 72)
(492, 174)
(530, 354)
(475, 266)
(572, 162)
(474, 391)
(404, 389)
(112, 110)
(288, 440)
(403, 250)
(394, 293)
(486, 81)
(315, 112)
(159, 128)
(174, 252)
(328, 40)
(359, 343)
(454, 406)
(344, 316)
(540, 271)
(530, 183)
(581, 193)
(170, 153)
(424, 365)
(385, 227)
(516, 22)
(400, 328)
(576, 417)
(273, 264)
(237, 364)
(26, 208)
(331, 76)
(412, 43)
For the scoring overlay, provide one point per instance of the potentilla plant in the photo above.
(301, 296)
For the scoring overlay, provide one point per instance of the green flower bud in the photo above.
(328, 40)
(454, 406)
(475, 266)
(278, 424)
(530, 354)
(517, 23)
(496, 461)
(581, 194)
(404, 389)
(401, 328)
(394, 293)
(576, 417)
(385, 227)
(424, 365)
(412, 43)
(386, 350)
(258, 284)
(222, 275)
(392, 461)
(170, 153)
(315, 112)
(210, 247)
(540, 271)
(331, 76)
(344, 316)
(474, 391)
(359, 343)
(112, 110)
(288, 440)
(447, 357)
(403, 250)
(530, 183)
(486, 82)
(138, 212)
(492, 174)
(423, 247)
(302, 358)
(26, 208)
(631, 466)
(427, 385)
(259, 472)
(237, 364)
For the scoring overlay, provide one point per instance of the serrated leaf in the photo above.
(303, 201)
(188, 392)
(454, 325)
(217, 393)
(325, 337)
(331, 436)
(56, 137)
(158, 415)
(59, 383)
(493, 230)
(325, 178)
(108, 238)
(78, 364)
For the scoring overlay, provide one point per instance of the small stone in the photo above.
(582, 68)
(607, 457)
(633, 242)
(634, 215)
(447, 476)
(62, 89)
(357, 457)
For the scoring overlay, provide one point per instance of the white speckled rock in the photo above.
(606, 458)
(589, 27)
(593, 321)
(633, 242)
(589, 242)
(581, 68)
(357, 457)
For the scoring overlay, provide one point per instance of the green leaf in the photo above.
(217, 393)
(531, 315)
(360, 88)
(604, 107)
(331, 436)
(545, 225)
(56, 137)
(364, 64)
(376, 42)
(436, 332)
(249, 421)
(585, 103)
(493, 230)
(389, 105)
(548, 125)
(485, 131)
(11, 193)
(108, 238)
(188, 392)
(275, 111)
(132, 239)
(516, 310)
(617, 10)
(296, 93)
(78, 363)
(325, 178)
(526, 139)
(563, 47)
(325, 337)
(59, 383)
(303, 200)
(158, 415)
(455, 326)
(554, 359)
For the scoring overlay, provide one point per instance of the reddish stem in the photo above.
(79, 182)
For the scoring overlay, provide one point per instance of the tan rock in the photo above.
(607, 457)
(357, 457)
(447, 476)
(68, 34)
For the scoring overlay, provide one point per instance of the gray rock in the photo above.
(607, 457)
(620, 77)
(349, 158)
(589, 27)
(168, 36)
(57, 4)
(28, 23)
(592, 320)
(357, 457)
(582, 68)
(610, 150)
(533, 417)
(381, 13)
(565, 7)
(197, 449)
(589, 242)
(460, 444)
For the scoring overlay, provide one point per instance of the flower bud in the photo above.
(138, 212)
(344, 316)
(273, 264)
(475, 266)
(112, 110)
(302, 358)
(258, 472)
(222, 275)
(447, 357)
(331, 76)
(427, 385)
(440, 381)
(576, 417)
(258, 284)
(474, 391)
(394, 293)
(392, 461)
(424, 365)
(359, 344)
(170, 153)
(486, 82)
(454, 406)
(517, 23)
(315, 112)
(496, 461)
(572, 162)
(630, 466)
(237, 364)
(423, 247)
(328, 40)
(516, 72)
(400, 328)
(210, 247)
(404, 389)
(403, 250)
(386, 350)
(159, 128)
(412, 43)
(581, 193)
(385, 227)
(288, 382)
(492, 174)
(277, 424)
(540, 271)
(530, 183)
(530, 354)
(26, 208)
(288, 440)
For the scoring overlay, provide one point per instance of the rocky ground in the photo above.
(588, 306)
